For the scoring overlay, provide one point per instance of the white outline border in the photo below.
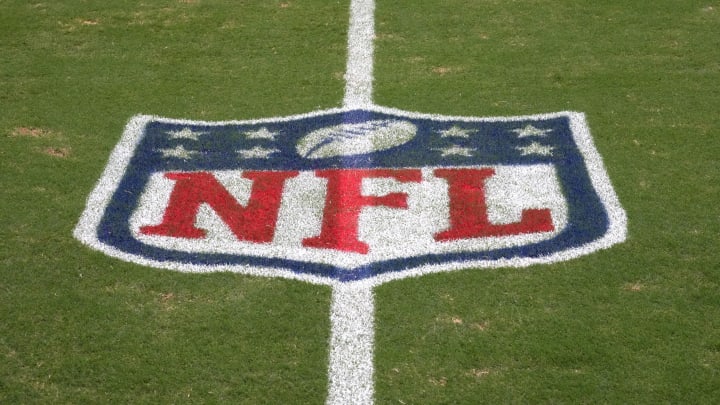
(97, 202)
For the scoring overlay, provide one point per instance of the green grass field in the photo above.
(637, 323)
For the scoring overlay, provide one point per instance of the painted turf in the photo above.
(353, 274)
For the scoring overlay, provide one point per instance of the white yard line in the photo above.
(359, 70)
(352, 317)
(352, 313)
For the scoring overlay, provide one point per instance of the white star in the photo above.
(186, 133)
(178, 152)
(535, 149)
(261, 133)
(456, 132)
(256, 153)
(456, 151)
(530, 130)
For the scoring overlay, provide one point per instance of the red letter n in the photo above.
(254, 222)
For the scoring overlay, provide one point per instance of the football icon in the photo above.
(355, 139)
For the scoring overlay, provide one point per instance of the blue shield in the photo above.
(350, 195)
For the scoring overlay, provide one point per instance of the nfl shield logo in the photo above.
(345, 195)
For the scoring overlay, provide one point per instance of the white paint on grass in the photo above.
(359, 70)
(352, 317)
